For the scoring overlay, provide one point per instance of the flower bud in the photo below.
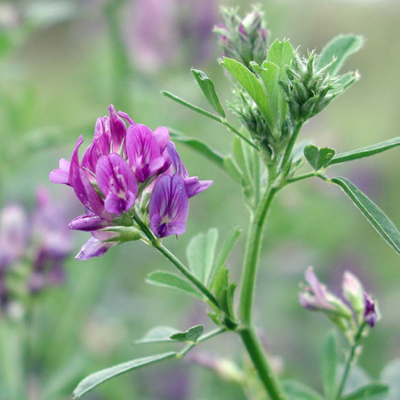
(308, 90)
(353, 292)
(316, 297)
(370, 312)
(243, 39)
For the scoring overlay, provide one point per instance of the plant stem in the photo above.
(350, 360)
(251, 257)
(247, 331)
(301, 177)
(196, 282)
(257, 355)
(289, 148)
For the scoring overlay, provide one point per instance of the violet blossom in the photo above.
(121, 169)
(370, 313)
(39, 244)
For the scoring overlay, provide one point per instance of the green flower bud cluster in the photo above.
(309, 90)
(244, 40)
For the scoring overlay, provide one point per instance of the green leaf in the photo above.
(281, 55)
(199, 146)
(225, 292)
(329, 366)
(367, 391)
(298, 391)
(159, 334)
(346, 80)
(341, 47)
(366, 151)
(225, 251)
(191, 335)
(269, 74)
(191, 106)
(251, 84)
(172, 281)
(383, 225)
(200, 254)
(318, 157)
(232, 169)
(391, 376)
(90, 382)
(208, 89)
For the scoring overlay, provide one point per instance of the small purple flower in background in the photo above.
(370, 314)
(316, 297)
(126, 173)
(349, 320)
(243, 39)
(51, 243)
(174, 32)
(39, 245)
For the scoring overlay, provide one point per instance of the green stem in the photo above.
(196, 282)
(251, 257)
(289, 147)
(301, 177)
(175, 261)
(265, 372)
(350, 360)
(247, 331)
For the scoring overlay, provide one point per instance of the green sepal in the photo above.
(207, 87)
(318, 157)
(125, 234)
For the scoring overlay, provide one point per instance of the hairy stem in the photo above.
(350, 360)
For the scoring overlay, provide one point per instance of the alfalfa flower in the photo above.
(121, 169)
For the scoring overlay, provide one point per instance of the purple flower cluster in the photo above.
(120, 169)
(39, 245)
(316, 297)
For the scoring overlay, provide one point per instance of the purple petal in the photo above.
(117, 182)
(126, 117)
(370, 315)
(88, 222)
(61, 175)
(194, 186)
(94, 248)
(176, 160)
(169, 206)
(117, 127)
(142, 148)
(161, 134)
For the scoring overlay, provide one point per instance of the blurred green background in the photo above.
(63, 62)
